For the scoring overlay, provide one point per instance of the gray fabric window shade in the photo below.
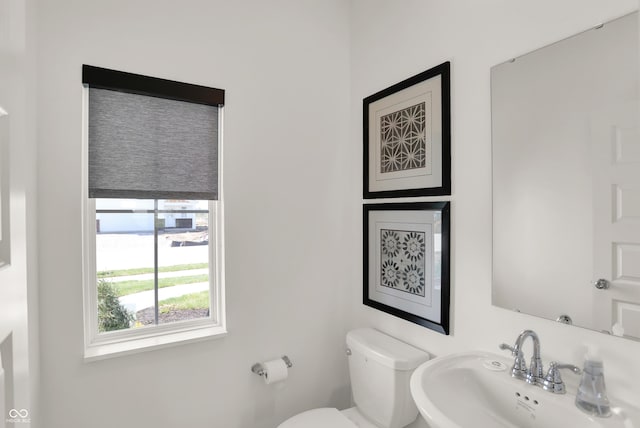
(145, 147)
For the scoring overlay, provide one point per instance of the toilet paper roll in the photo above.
(275, 371)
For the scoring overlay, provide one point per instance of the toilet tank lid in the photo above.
(385, 349)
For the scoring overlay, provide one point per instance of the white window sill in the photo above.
(109, 349)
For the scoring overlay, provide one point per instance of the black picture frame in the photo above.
(394, 167)
(413, 223)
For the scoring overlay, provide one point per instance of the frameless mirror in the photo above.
(566, 180)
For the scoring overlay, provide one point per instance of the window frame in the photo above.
(107, 344)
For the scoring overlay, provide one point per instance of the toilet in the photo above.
(380, 368)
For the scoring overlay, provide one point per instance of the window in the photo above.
(153, 270)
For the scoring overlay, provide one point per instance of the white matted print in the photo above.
(407, 137)
(407, 261)
(408, 150)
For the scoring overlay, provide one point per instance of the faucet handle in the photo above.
(506, 347)
(519, 369)
(553, 381)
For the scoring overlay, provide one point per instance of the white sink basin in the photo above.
(475, 389)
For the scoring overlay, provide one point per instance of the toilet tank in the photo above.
(380, 367)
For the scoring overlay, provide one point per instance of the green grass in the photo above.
(135, 286)
(188, 301)
(139, 271)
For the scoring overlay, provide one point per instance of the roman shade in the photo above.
(151, 138)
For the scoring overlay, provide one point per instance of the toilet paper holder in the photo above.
(258, 368)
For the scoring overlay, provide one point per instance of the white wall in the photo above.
(285, 67)
(394, 40)
(18, 286)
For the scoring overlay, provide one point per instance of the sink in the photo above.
(475, 389)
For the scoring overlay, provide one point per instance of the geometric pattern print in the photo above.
(403, 260)
(403, 139)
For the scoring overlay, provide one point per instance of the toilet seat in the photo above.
(357, 418)
(318, 418)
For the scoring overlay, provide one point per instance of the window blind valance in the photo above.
(149, 146)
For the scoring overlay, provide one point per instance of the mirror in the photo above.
(566, 180)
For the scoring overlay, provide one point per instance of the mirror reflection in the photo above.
(566, 180)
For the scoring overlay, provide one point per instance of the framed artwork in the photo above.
(407, 137)
(406, 261)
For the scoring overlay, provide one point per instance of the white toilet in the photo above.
(380, 368)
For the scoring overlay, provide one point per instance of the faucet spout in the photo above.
(534, 375)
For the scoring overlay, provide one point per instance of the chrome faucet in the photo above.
(534, 375)
(552, 382)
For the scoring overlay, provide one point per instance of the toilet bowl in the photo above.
(380, 367)
(328, 418)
